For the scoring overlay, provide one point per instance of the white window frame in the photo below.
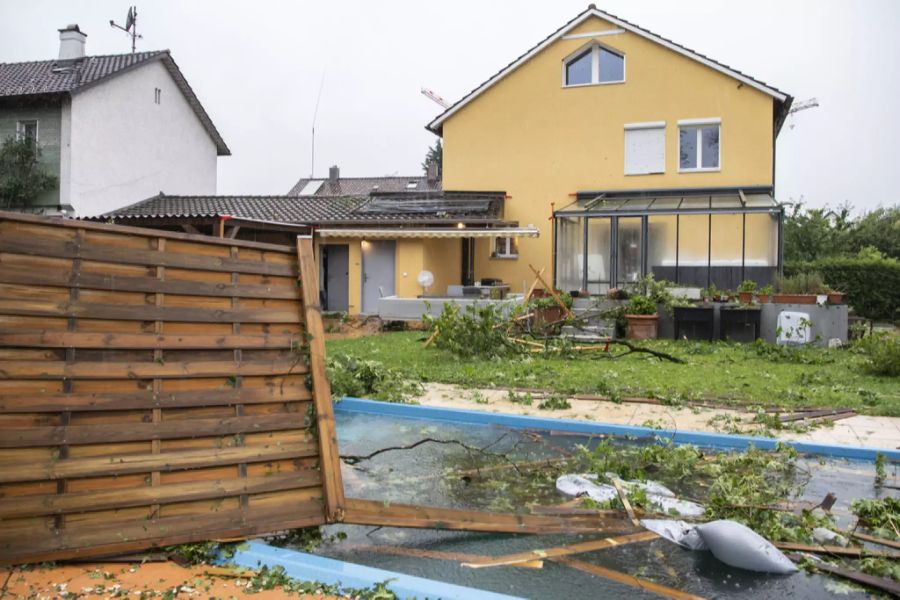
(595, 48)
(648, 125)
(696, 125)
(20, 129)
(511, 249)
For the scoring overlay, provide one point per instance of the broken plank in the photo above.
(625, 502)
(39, 369)
(876, 540)
(143, 341)
(804, 415)
(834, 550)
(432, 554)
(579, 548)
(881, 583)
(624, 578)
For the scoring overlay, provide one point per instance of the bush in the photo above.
(641, 305)
(809, 282)
(871, 283)
(350, 376)
(882, 351)
(477, 331)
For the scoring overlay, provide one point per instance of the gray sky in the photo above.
(257, 66)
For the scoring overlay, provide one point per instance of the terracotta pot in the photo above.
(746, 297)
(762, 298)
(794, 299)
(835, 297)
(549, 314)
(642, 327)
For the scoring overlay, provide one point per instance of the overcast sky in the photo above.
(257, 68)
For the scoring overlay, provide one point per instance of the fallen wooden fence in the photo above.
(157, 388)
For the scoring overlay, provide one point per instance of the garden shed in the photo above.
(693, 237)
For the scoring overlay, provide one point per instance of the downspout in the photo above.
(221, 225)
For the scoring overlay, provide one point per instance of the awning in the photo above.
(455, 232)
(648, 202)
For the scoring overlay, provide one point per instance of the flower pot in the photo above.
(835, 297)
(547, 315)
(795, 299)
(746, 297)
(762, 298)
(642, 327)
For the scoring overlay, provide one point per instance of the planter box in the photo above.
(642, 327)
(762, 298)
(835, 297)
(794, 299)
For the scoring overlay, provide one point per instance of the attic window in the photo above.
(595, 65)
(412, 185)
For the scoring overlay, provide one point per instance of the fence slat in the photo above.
(38, 369)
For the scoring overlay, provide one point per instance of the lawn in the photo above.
(723, 372)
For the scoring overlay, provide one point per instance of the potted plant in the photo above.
(802, 288)
(547, 310)
(764, 293)
(746, 291)
(642, 318)
(835, 297)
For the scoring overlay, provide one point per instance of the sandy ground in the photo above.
(860, 430)
(118, 580)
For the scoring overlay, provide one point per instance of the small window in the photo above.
(505, 247)
(412, 185)
(698, 147)
(595, 65)
(157, 96)
(645, 148)
(27, 130)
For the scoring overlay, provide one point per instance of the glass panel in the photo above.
(612, 66)
(727, 248)
(666, 203)
(687, 148)
(578, 70)
(569, 253)
(628, 262)
(710, 152)
(598, 251)
(693, 250)
(636, 204)
(762, 240)
(726, 202)
(661, 246)
(696, 202)
(760, 200)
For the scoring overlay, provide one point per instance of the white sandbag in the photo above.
(827, 537)
(739, 546)
(660, 497)
(683, 534)
(585, 485)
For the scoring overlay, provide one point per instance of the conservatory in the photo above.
(693, 237)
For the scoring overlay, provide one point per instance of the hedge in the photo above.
(872, 285)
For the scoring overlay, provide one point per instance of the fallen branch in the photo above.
(353, 459)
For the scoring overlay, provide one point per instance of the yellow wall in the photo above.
(541, 142)
(410, 261)
(443, 257)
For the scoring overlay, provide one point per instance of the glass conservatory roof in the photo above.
(674, 201)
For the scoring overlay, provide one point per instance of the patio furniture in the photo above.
(694, 322)
(739, 319)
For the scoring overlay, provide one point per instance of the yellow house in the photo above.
(630, 153)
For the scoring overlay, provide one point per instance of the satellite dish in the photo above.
(425, 279)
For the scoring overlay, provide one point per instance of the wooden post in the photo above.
(330, 461)
(552, 291)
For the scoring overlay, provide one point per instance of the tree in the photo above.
(434, 155)
(879, 229)
(22, 177)
(815, 233)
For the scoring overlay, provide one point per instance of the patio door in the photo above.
(377, 273)
(334, 269)
(629, 250)
(598, 267)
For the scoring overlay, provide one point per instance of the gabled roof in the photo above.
(436, 125)
(363, 186)
(50, 77)
(399, 209)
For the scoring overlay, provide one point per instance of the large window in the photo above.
(645, 148)
(698, 146)
(569, 253)
(629, 251)
(595, 65)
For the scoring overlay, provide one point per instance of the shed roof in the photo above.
(695, 200)
(363, 186)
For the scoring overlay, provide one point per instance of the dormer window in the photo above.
(594, 65)
(411, 185)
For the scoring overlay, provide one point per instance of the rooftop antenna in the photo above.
(435, 98)
(312, 166)
(130, 27)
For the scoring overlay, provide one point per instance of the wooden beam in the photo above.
(327, 432)
(45, 338)
(881, 583)
(552, 292)
(624, 578)
(850, 551)
(232, 232)
(188, 228)
(541, 554)
(876, 540)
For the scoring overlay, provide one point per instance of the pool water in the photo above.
(483, 479)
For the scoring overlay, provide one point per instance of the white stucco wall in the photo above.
(123, 147)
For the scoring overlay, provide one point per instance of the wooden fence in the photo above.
(157, 388)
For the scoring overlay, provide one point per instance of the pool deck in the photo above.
(861, 430)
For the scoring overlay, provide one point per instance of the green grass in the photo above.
(723, 372)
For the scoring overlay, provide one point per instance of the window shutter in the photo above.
(645, 149)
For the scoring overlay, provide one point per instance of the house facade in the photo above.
(630, 153)
(112, 129)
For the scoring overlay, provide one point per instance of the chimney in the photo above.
(432, 172)
(71, 43)
(334, 174)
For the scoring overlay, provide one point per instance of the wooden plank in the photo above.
(432, 554)
(624, 578)
(136, 341)
(881, 583)
(329, 455)
(28, 403)
(552, 292)
(27, 506)
(851, 551)
(100, 281)
(18, 437)
(876, 540)
(15, 243)
(125, 230)
(143, 312)
(370, 512)
(129, 537)
(579, 548)
(624, 499)
(124, 464)
(36, 369)
(815, 414)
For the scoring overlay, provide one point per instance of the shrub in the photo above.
(477, 331)
(882, 352)
(871, 283)
(809, 282)
(641, 305)
(350, 376)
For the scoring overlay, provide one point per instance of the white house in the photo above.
(114, 129)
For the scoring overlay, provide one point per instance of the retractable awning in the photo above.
(455, 232)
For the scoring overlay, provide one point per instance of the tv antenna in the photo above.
(312, 165)
(435, 98)
(130, 27)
